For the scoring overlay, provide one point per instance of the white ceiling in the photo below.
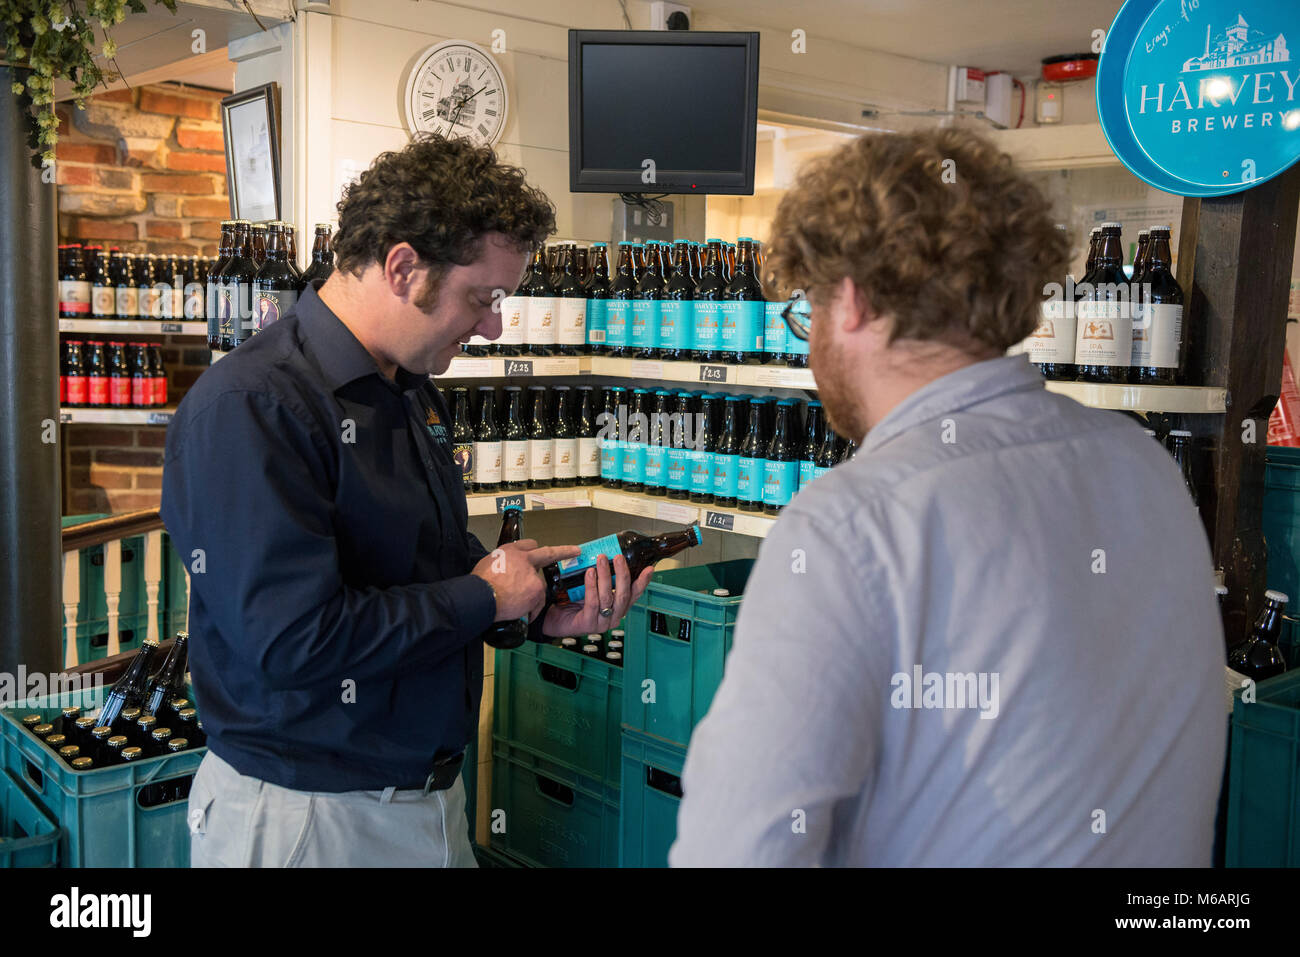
(1011, 35)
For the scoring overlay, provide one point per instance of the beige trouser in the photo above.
(241, 821)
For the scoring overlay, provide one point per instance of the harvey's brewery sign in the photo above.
(1202, 97)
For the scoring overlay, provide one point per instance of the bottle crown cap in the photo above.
(1274, 595)
(721, 593)
(161, 734)
(178, 744)
(1221, 589)
(1181, 433)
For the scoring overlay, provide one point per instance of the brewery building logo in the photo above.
(1238, 46)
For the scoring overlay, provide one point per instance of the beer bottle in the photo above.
(487, 443)
(462, 436)
(646, 314)
(749, 464)
(275, 288)
(571, 312)
(813, 436)
(176, 745)
(113, 748)
(44, 730)
(660, 435)
(588, 443)
(684, 436)
(176, 274)
(1104, 343)
(541, 444)
(96, 374)
(172, 709)
(614, 644)
(99, 742)
(1094, 243)
(1140, 255)
(539, 309)
(1180, 446)
(74, 285)
(614, 658)
(700, 457)
(564, 439)
(187, 727)
(564, 579)
(514, 320)
(1258, 656)
(1158, 334)
(726, 457)
(103, 294)
(130, 715)
(119, 376)
(69, 753)
(515, 469)
(584, 266)
(142, 390)
(618, 309)
(130, 688)
(781, 465)
(508, 634)
(67, 723)
(638, 436)
(159, 374)
(169, 682)
(291, 248)
(591, 650)
(132, 753)
(677, 309)
(597, 299)
(82, 763)
(235, 305)
(194, 290)
(569, 644)
(729, 260)
(742, 312)
(141, 733)
(158, 739)
(149, 306)
(550, 262)
(31, 721)
(75, 374)
(709, 293)
(160, 290)
(847, 449)
(127, 293)
(322, 257)
(258, 243)
(610, 422)
(82, 733)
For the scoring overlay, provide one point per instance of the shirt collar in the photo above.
(969, 385)
(340, 354)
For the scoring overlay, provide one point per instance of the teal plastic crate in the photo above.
(121, 816)
(553, 817)
(685, 674)
(562, 706)
(28, 836)
(651, 797)
(1264, 777)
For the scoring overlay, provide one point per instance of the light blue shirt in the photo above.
(1041, 568)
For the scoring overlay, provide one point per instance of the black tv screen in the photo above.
(687, 101)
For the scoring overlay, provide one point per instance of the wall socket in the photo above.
(661, 11)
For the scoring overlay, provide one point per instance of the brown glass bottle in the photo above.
(1158, 346)
(565, 579)
(1104, 323)
(509, 634)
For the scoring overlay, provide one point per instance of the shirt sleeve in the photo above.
(247, 499)
(793, 730)
(476, 550)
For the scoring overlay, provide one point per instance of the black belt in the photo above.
(443, 775)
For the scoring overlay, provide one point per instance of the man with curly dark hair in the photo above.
(337, 598)
(990, 638)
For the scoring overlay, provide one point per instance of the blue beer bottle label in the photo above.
(676, 319)
(779, 482)
(677, 473)
(633, 461)
(586, 558)
(725, 475)
(701, 472)
(618, 313)
(655, 455)
(597, 314)
(774, 327)
(708, 318)
(818, 472)
(749, 479)
(807, 472)
(645, 324)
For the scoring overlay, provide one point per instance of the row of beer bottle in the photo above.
(256, 279)
(676, 302)
(118, 375)
(122, 285)
(1108, 327)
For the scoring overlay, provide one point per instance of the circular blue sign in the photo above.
(1202, 97)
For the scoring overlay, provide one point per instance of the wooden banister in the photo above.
(110, 529)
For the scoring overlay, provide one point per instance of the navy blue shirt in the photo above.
(334, 623)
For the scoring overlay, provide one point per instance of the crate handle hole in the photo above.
(34, 776)
(670, 626)
(554, 791)
(560, 677)
(663, 782)
(163, 793)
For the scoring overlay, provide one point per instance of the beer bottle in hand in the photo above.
(508, 634)
(565, 580)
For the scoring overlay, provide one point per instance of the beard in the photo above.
(835, 377)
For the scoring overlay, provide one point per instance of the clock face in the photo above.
(457, 89)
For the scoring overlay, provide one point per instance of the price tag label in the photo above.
(471, 368)
(67, 325)
(722, 520)
(65, 417)
(564, 365)
(680, 514)
(171, 327)
(713, 374)
(646, 370)
(519, 367)
(160, 418)
(509, 501)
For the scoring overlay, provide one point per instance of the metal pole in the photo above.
(30, 502)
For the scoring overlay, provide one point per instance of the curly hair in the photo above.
(440, 195)
(936, 228)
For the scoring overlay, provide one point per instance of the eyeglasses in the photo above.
(797, 315)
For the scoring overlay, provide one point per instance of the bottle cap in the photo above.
(161, 734)
(56, 741)
(614, 645)
(82, 764)
(1112, 226)
(41, 730)
(1221, 589)
(147, 721)
(178, 744)
(1274, 595)
(618, 633)
(131, 754)
(176, 704)
(590, 649)
(70, 713)
(594, 637)
(85, 724)
(117, 741)
(102, 731)
(721, 593)
(1182, 433)
(613, 656)
(69, 751)
(1150, 432)
(185, 714)
(30, 720)
(568, 642)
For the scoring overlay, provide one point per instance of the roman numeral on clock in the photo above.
(430, 114)
(489, 112)
(482, 128)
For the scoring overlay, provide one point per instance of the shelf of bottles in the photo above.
(133, 327)
(109, 416)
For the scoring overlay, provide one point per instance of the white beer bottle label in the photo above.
(566, 459)
(512, 321)
(540, 316)
(514, 461)
(589, 457)
(1054, 339)
(572, 322)
(487, 462)
(1157, 335)
(541, 461)
(1104, 333)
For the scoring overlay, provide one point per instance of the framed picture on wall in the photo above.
(251, 123)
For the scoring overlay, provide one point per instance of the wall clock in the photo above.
(457, 89)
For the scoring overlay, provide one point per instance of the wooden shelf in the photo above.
(1145, 398)
(490, 503)
(147, 327)
(102, 416)
(771, 376)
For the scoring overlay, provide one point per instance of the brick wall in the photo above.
(143, 170)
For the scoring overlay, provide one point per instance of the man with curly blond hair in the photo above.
(990, 638)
